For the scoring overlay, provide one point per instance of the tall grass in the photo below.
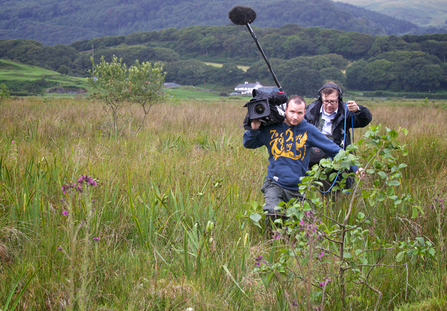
(167, 226)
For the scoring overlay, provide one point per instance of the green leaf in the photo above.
(414, 213)
(256, 218)
(390, 191)
(393, 183)
(382, 174)
(347, 255)
(381, 197)
(393, 133)
(420, 240)
(432, 252)
(400, 256)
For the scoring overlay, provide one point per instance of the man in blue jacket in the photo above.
(288, 144)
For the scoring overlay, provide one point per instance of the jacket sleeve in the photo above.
(361, 118)
(252, 139)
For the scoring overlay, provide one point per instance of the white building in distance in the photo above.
(247, 88)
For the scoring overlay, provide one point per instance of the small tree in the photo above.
(330, 249)
(146, 81)
(118, 87)
(4, 92)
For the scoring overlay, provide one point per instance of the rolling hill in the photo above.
(53, 22)
(422, 13)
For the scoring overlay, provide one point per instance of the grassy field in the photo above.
(165, 225)
(190, 92)
(16, 74)
(244, 68)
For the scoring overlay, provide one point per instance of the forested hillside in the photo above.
(54, 22)
(302, 58)
(427, 13)
(394, 25)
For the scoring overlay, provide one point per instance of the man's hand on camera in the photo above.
(255, 124)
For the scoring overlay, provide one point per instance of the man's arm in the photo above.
(252, 138)
(360, 114)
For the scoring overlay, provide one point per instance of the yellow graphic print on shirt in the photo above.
(282, 145)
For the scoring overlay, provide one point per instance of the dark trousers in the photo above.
(273, 194)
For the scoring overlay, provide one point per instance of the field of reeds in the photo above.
(160, 221)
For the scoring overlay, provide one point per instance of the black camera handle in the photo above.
(265, 57)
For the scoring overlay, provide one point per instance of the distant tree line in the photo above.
(303, 58)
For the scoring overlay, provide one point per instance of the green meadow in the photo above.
(163, 218)
(244, 68)
(35, 78)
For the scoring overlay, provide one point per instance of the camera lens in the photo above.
(259, 109)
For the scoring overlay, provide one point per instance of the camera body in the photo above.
(264, 107)
(258, 109)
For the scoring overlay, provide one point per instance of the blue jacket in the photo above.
(288, 148)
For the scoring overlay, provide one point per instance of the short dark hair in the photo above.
(297, 99)
(327, 89)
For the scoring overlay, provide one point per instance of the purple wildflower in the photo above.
(96, 239)
(322, 284)
(65, 213)
(276, 235)
(321, 255)
(59, 249)
(258, 261)
(87, 180)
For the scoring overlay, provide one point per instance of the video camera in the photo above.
(264, 106)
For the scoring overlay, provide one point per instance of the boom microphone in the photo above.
(241, 15)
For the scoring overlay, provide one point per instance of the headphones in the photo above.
(332, 86)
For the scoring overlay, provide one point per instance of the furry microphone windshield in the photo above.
(241, 15)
